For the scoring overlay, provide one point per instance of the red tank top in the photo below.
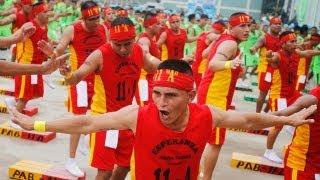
(304, 151)
(30, 53)
(116, 83)
(160, 153)
(272, 42)
(175, 43)
(201, 46)
(153, 48)
(83, 44)
(20, 20)
(287, 70)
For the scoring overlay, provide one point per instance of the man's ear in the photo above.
(191, 95)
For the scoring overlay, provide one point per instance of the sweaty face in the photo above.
(156, 28)
(175, 25)
(241, 31)
(92, 23)
(172, 104)
(43, 17)
(122, 48)
(275, 28)
(290, 45)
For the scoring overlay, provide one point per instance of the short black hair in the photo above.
(121, 20)
(204, 16)
(191, 17)
(87, 4)
(177, 65)
(37, 3)
(285, 33)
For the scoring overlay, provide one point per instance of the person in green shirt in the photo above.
(5, 30)
(316, 66)
(195, 30)
(250, 60)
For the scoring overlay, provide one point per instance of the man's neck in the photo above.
(274, 34)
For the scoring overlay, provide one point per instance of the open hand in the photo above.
(51, 65)
(45, 47)
(301, 117)
(237, 61)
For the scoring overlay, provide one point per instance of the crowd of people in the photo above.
(154, 90)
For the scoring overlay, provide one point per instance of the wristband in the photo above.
(40, 126)
(227, 65)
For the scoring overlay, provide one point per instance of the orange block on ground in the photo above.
(7, 130)
(255, 163)
(26, 169)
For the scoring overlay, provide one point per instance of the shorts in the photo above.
(263, 85)
(217, 136)
(28, 87)
(105, 158)
(279, 104)
(294, 174)
(82, 94)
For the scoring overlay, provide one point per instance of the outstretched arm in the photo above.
(258, 45)
(11, 68)
(124, 118)
(302, 102)
(253, 121)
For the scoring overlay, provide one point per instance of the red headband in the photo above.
(315, 37)
(122, 13)
(174, 18)
(122, 32)
(275, 20)
(174, 79)
(151, 21)
(90, 12)
(219, 27)
(26, 2)
(39, 9)
(288, 37)
(239, 19)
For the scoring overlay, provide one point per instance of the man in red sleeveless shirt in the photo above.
(302, 158)
(175, 38)
(282, 90)
(28, 87)
(82, 38)
(171, 133)
(20, 16)
(218, 83)
(147, 41)
(117, 67)
(270, 41)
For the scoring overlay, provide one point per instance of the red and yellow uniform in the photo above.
(217, 88)
(303, 70)
(302, 159)
(175, 44)
(282, 90)
(265, 70)
(114, 88)
(161, 153)
(199, 65)
(28, 87)
(154, 51)
(81, 46)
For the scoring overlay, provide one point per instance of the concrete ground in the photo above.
(56, 151)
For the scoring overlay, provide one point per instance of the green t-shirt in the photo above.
(249, 59)
(195, 30)
(5, 30)
(316, 62)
